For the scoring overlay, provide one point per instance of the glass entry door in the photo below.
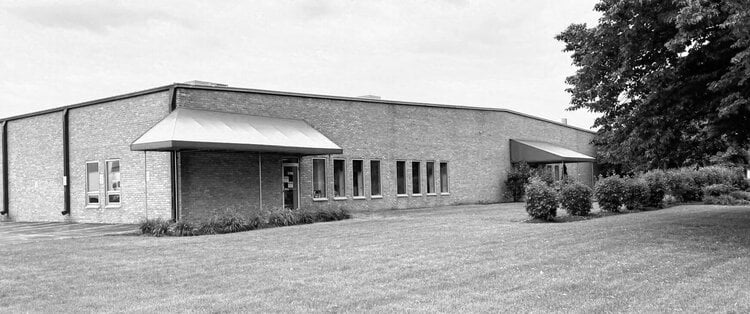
(290, 182)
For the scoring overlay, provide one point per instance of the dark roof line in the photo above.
(280, 93)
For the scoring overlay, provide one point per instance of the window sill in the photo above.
(431, 194)
(340, 198)
(419, 194)
(359, 198)
(445, 193)
(402, 195)
(375, 197)
(113, 206)
(320, 199)
(93, 206)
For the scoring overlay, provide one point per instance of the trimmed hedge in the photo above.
(230, 221)
(541, 200)
(717, 190)
(575, 198)
(610, 192)
(656, 180)
(682, 184)
(636, 194)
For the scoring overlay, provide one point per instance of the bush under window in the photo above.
(636, 194)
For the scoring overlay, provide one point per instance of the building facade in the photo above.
(189, 151)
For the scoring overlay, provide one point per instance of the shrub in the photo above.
(518, 177)
(541, 201)
(656, 180)
(720, 175)
(740, 195)
(636, 194)
(156, 227)
(716, 190)
(575, 198)
(231, 220)
(724, 199)
(610, 192)
(182, 229)
(544, 176)
(682, 184)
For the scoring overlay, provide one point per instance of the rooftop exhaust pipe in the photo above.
(564, 121)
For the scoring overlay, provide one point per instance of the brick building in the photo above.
(186, 151)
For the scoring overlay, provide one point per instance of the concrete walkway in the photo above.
(20, 232)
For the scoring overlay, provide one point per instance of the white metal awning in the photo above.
(542, 152)
(191, 129)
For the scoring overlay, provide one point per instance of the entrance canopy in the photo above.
(541, 152)
(191, 129)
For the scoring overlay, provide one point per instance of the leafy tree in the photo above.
(669, 78)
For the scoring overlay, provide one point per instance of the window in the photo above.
(319, 178)
(430, 177)
(400, 178)
(113, 182)
(358, 181)
(444, 177)
(416, 182)
(375, 178)
(339, 178)
(92, 183)
(557, 172)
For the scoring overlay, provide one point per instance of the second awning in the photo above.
(191, 129)
(541, 152)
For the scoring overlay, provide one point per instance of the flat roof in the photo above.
(281, 93)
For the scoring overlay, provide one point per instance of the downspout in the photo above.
(5, 169)
(174, 162)
(66, 164)
(260, 183)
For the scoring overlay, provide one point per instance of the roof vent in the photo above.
(370, 97)
(204, 83)
(564, 121)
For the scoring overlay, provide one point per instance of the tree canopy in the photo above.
(669, 78)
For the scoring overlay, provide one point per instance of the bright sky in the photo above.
(474, 53)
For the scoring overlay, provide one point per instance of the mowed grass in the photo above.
(453, 259)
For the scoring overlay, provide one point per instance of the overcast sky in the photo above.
(474, 53)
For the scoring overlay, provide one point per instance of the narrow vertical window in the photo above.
(358, 180)
(113, 182)
(557, 172)
(92, 183)
(416, 178)
(319, 178)
(430, 177)
(443, 177)
(375, 178)
(400, 177)
(339, 178)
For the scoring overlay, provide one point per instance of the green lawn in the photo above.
(468, 258)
